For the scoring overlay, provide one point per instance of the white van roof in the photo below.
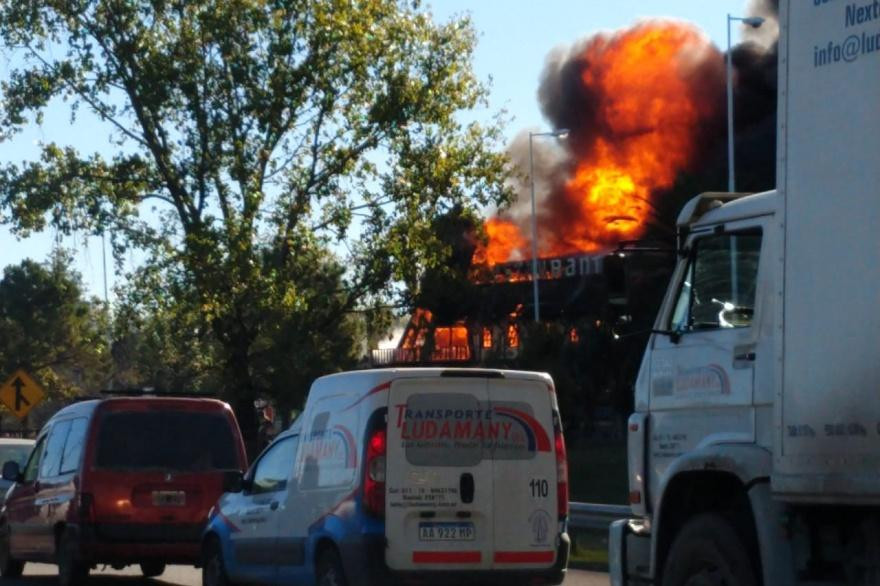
(368, 380)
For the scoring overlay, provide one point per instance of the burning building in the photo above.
(645, 113)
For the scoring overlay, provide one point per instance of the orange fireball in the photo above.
(645, 111)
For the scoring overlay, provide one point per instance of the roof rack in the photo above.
(151, 392)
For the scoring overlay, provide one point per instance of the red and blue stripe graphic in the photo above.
(537, 437)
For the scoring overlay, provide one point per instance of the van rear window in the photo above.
(173, 440)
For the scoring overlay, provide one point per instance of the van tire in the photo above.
(330, 572)
(72, 571)
(213, 568)
(708, 550)
(9, 567)
(152, 569)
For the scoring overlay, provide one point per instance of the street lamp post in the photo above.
(754, 22)
(561, 133)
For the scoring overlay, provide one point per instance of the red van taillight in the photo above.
(86, 507)
(561, 472)
(374, 474)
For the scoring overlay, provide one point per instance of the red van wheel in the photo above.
(152, 569)
(9, 568)
(72, 571)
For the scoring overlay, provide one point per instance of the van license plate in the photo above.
(169, 498)
(446, 532)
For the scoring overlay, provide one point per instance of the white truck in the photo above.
(754, 451)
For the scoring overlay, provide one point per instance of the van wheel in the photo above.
(9, 568)
(708, 552)
(72, 571)
(330, 571)
(152, 569)
(213, 569)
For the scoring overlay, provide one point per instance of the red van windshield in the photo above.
(173, 440)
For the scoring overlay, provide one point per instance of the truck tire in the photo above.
(9, 567)
(72, 571)
(708, 552)
(329, 570)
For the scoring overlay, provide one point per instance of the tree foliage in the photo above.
(50, 329)
(268, 134)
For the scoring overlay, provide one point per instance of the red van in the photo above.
(119, 481)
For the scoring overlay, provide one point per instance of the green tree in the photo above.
(49, 328)
(264, 131)
(161, 339)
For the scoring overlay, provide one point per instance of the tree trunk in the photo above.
(241, 394)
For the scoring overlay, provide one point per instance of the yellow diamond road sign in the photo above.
(20, 393)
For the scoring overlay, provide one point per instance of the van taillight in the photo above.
(561, 471)
(374, 474)
(86, 507)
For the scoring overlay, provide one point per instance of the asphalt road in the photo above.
(44, 575)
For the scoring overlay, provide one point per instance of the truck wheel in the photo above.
(213, 568)
(708, 552)
(9, 568)
(152, 569)
(72, 571)
(330, 571)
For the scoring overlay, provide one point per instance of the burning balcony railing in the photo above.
(393, 356)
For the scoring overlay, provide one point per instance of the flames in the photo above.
(642, 108)
(504, 237)
(449, 342)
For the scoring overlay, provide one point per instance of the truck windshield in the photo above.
(718, 290)
(167, 440)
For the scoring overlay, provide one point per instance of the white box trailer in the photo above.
(828, 406)
(754, 451)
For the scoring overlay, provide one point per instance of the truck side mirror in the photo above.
(11, 471)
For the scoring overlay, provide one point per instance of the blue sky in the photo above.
(515, 38)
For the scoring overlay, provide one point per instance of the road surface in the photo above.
(44, 575)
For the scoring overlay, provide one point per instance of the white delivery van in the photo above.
(404, 475)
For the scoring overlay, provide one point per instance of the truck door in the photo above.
(521, 440)
(702, 373)
(439, 488)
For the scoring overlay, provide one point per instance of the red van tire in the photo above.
(213, 569)
(9, 568)
(152, 569)
(329, 569)
(72, 571)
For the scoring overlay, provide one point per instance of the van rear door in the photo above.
(439, 480)
(157, 467)
(524, 462)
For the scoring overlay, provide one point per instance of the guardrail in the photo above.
(594, 516)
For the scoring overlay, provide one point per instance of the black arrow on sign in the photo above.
(19, 398)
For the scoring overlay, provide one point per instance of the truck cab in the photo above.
(696, 445)
(755, 442)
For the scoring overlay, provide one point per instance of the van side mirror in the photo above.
(233, 481)
(11, 471)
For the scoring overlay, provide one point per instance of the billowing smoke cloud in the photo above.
(767, 34)
(646, 112)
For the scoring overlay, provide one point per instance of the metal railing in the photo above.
(595, 516)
